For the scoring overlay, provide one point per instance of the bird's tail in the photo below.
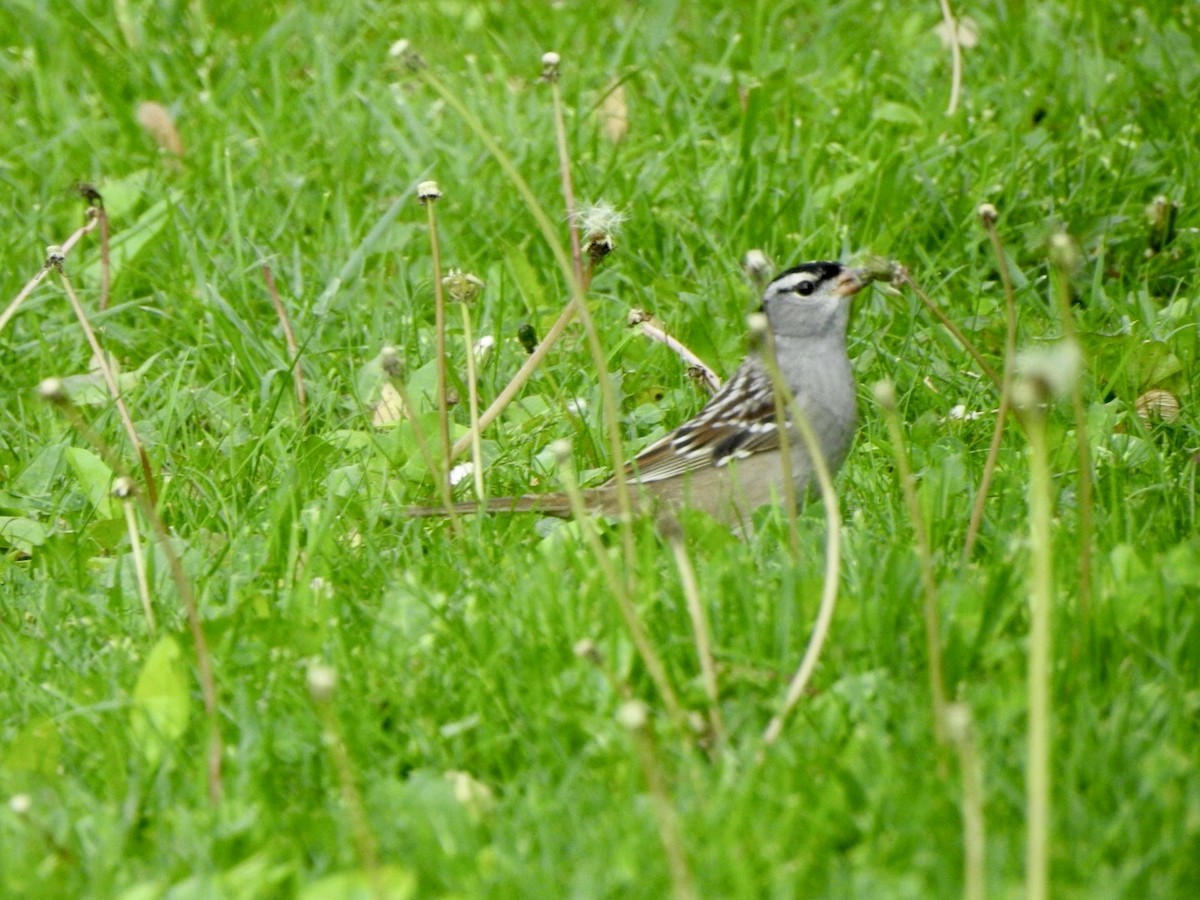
(543, 504)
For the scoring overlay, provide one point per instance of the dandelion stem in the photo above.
(1083, 454)
(829, 591)
(886, 395)
(700, 630)
(473, 407)
(955, 57)
(439, 300)
(987, 214)
(962, 339)
(607, 394)
(15, 304)
(139, 559)
(1037, 779)
(289, 337)
(208, 687)
(617, 588)
(114, 389)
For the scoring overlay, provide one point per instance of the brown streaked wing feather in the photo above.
(737, 422)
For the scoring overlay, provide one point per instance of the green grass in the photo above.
(809, 133)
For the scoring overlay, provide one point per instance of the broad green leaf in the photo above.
(528, 282)
(1181, 564)
(890, 111)
(415, 466)
(844, 183)
(347, 439)
(256, 876)
(422, 387)
(21, 533)
(128, 242)
(34, 749)
(1130, 366)
(95, 478)
(385, 883)
(122, 195)
(371, 377)
(92, 390)
(39, 477)
(143, 890)
(161, 701)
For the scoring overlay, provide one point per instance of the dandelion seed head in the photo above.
(428, 191)
(52, 389)
(633, 714)
(463, 287)
(123, 488)
(322, 679)
(885, 394)
(756, 264)
(600, 217)
(1047, 373)
(561, 451)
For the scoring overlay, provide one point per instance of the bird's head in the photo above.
(812, 300)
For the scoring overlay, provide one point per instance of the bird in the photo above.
(727, 460)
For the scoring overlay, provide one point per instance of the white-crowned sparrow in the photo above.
(727, 459)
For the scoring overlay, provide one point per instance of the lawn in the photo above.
(316, 695)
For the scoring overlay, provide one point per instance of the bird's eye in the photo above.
(805, 288)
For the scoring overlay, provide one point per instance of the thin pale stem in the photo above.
(833, 551)
(430, 463)
(955, 57)
(961, 730)
(517, 382)
(105, 259)
(612, 414)
(700, 631)
(364, 839)
(683, 883)
(110, 379)
(937, 685)
(289, 337)
(439, 299)
(1083, 457)
(473, 407)
(208, 687)
(962, 339)
(1010, 353)
(139, 564)
(617, 588)
(15, 304)
(989, 469)
(654, 330)
(783, 399)
(568, 189)
(1041, 595)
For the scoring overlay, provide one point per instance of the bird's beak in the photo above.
(851, 281)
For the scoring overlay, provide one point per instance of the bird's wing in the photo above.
(737, 422)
